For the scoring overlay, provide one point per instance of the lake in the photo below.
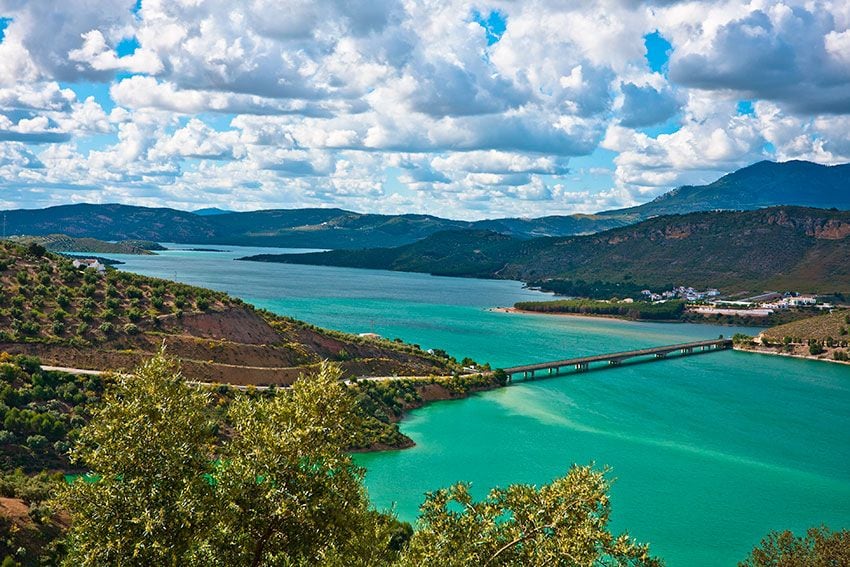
(708, 452)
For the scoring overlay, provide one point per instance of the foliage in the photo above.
(563, 523)
(668, 310)
(166, 490)
(148, 447)
(39, 408)
(820, 547)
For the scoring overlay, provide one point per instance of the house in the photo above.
(89, 264)
(802, 301)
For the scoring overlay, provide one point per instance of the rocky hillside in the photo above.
(112, 320)
(786, 248)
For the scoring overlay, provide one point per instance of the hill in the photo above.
(112, 321)
(63, 243)
(763, 184)
(760, 185)
(776, 248)
(835, 325)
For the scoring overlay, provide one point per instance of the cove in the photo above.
(709, 452)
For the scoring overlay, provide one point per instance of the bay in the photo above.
(707, 452)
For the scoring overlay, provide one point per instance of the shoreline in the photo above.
(704, 321)
(773, 352)
(516, 311)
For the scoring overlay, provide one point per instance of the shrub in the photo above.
(130, 329)
(36, 442)
(106, 328)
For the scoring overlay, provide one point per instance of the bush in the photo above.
(106, 328)
(130, 329)
(36, 442)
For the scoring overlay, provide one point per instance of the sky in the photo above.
(462, 109)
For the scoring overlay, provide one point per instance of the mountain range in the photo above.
(760, 185)
(786, 248)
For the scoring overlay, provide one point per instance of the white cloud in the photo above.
(398, 105)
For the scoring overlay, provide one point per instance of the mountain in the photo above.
(294, 228)
(763, 184)
(760, 185)
(211, 211)
(775, 248)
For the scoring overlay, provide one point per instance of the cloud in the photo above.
(448, 107)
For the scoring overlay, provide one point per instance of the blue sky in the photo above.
(460, 109)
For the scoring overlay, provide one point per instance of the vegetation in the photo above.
(64, 243)
(592, 290)
(60, 313)
(644, 310)
(165, 489)
(820, 547)
(820, 327)
(41, 413)
(822, 336)
(775, 248)
(763, 184)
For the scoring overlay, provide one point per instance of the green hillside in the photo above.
(113, 320)
(64, 243)
(787, 248)
(760, 185)
(834, 325)
(763, 184)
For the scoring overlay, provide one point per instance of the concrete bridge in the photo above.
(531, 371)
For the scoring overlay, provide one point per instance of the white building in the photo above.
(89, 263)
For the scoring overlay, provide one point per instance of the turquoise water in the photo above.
(708, 452)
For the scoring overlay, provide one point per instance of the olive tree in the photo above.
(818, 548)
(293, 494)
(562, 523)
(148, 446)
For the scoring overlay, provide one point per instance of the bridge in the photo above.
(529, 371)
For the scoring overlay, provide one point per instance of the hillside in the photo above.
(777, 248)
(112, 321)
(763, 184)
(834, 325)
(63, 243)
(760, 185)
(295, 228)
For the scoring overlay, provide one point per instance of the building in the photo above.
(89, 264)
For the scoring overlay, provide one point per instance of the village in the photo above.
(712, 302)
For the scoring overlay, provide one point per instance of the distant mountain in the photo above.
(294, 228)
(210, 211)
(761, 185)
(786, 248)
(764, 184)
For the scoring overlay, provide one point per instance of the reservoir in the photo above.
(707, 453)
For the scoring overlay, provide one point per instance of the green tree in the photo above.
(293, 493)
(148, 446)
(818, 548)
(563, 523)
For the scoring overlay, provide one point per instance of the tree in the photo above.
(294, 494)
(279, 488)
(148, 446)
(818, 548)
(563, 523)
